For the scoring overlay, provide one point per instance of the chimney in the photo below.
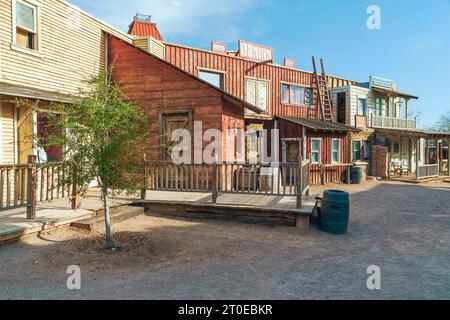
(142, 26)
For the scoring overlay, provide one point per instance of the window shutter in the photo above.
(251, 91)
(263, 95)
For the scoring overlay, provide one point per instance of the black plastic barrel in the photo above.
(335, 213)
(357, 175)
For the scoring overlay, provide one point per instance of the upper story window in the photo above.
(25, 24)
(336, 151)
(214, 78)
(257, 93)
(316, 150)
(296, 95)
(362, 107)
(381, 107)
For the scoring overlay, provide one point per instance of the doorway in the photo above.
(341, 107)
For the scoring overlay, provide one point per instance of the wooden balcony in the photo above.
(395, 123)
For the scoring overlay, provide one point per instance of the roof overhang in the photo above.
(415, 133)
(319, 125)
(30, 93)
(394, 93)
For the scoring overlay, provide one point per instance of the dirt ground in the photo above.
(403, 229)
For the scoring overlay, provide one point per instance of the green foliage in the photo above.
(102, 135)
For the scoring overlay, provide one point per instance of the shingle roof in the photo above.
(144, 29)
(319, 125)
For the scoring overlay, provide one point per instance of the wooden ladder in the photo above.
(323, 94)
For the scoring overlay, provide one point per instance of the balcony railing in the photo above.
(387, 122)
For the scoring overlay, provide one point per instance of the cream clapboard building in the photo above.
(48, 48)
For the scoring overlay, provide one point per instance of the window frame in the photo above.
(338, 151)
(33, 51)
(319, 151)
(289, 94)
(258, 81)
(221, 73)
(360, 151)
(365, 113)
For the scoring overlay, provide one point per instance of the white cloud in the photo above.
(224, 19)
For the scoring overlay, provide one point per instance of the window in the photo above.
(214, 78)
(362, 107)
(381, 107)
(357, 150)
(257, 93)
(336, 151)
(296, 95)
(25, 21)
(316, 153)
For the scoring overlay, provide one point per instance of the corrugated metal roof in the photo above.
(145, 29)
(316, 124)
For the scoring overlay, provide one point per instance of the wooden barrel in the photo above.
(335, 214)
(357, 174)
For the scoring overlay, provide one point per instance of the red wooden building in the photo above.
(291, 100)
(173, 99)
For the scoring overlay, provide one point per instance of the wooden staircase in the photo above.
(323, 94)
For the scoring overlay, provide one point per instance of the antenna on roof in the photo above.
(143, 17)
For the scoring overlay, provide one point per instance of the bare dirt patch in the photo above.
(398, 227)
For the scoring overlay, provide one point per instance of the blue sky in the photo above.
(412, 46)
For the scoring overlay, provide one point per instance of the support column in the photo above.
(448, 160)
(417, 158)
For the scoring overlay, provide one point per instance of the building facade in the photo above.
(48, 49)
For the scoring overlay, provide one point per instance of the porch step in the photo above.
(117, 214)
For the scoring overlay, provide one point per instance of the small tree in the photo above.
(103, 138)
(444, 123)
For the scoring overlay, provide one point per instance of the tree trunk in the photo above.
(109, 240)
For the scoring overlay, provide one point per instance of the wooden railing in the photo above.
(387, 122)
(322, 174)
(284, 179)
(25, 185)
(427, 171)
(13, 186)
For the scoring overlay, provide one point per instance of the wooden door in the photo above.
(172, 122)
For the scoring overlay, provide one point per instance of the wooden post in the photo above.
(300, 182)
(349, 168)
(417, 158)
(76, 198)
(144, 177)
(214, 183)
(448, 158)
(31, 188)
(322, 174)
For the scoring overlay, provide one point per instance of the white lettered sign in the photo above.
(255, 51)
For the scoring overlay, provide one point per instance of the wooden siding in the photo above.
(7, 145)
(158, 87)
(238, 69)
(353, 94)
(151, 45)
(327, 138)
(71, 48)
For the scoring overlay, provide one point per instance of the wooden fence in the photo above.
(330, 173)
(284, 179)
(25, 185)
